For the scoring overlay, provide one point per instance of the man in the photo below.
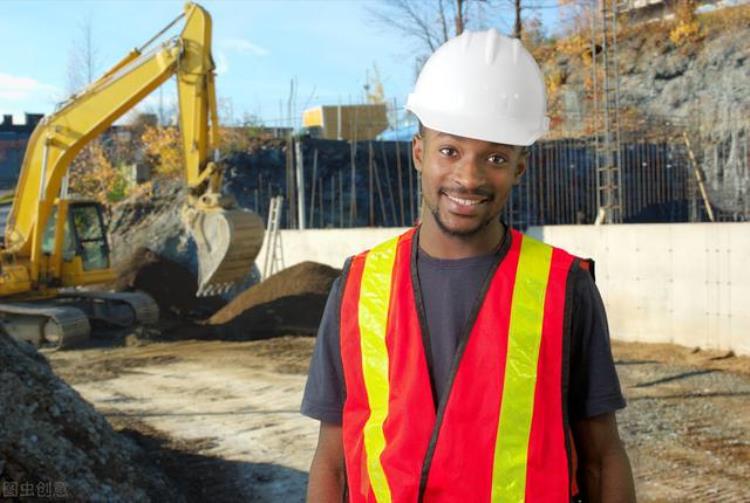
(463, 361)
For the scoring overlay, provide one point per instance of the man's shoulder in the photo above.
(580, 264)
(384, 241)
(538, 238)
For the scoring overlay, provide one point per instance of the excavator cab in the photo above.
(76, 238)
(88, 233)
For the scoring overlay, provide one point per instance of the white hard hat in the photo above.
(485, 86)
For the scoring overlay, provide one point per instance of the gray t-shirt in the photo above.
(449, 290)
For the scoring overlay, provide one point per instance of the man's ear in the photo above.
(417, 151)
(522, 157)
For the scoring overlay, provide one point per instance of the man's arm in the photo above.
(324, 400)
(604, 470)
(603, 463)
(327, 472)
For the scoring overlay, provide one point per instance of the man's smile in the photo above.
(463, 203)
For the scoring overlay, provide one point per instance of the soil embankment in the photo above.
(54, 444)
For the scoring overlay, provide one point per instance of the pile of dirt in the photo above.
(53, 444)
(290, 302)
(172, 286)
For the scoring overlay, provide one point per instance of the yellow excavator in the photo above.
(54, 244)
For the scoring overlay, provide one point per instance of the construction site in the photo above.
(162, 285)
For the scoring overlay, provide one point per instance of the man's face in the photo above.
(465, 182)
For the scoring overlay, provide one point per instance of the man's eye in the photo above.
(448, 151)
(496, 159)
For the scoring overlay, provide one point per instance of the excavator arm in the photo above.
(228, 239)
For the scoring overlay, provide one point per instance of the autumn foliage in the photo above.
(93, 175)
(163, 150)
(103, 169)
(686, 27)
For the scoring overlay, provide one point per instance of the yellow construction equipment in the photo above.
(54, 243)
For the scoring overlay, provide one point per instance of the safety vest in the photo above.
(500, 434)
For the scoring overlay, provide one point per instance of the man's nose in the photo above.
(469, 173)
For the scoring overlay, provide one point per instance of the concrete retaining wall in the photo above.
(328, 246)
(687, 284)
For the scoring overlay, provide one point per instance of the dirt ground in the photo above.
(686, 425)
(221, 417)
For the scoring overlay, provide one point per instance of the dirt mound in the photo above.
(53, 444)
(172, 286)
(291, 301)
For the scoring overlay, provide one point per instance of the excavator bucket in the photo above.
(228, 240)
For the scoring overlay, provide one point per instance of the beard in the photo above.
(460, 233)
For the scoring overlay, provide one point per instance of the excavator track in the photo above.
(122, 309)
(66, 321)
(45, 325)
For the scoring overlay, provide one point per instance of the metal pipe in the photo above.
(312, 191)
(141, 48)
(300, 164)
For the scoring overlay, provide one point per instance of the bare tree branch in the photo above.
(443, 22)
(425, 21)
(431, 23)
(428, 33)
(459, 17)
(517, 25)
(83, 58)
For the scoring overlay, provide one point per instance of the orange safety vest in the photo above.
(500, 434)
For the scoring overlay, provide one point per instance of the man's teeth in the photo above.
(464, 202)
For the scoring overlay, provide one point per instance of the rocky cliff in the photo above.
(700, 85)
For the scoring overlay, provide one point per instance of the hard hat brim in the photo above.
(504, 131)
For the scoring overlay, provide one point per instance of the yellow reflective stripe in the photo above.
(374, 299)
(524, 339)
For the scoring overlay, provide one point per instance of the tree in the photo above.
(96, 177)
(459, 17)
(240, 136)
(92, 174)
(430, 23)
(685, 27)
(517, 28)
(427, 21)
(163, 149)
(83, 58)
(580, 15)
